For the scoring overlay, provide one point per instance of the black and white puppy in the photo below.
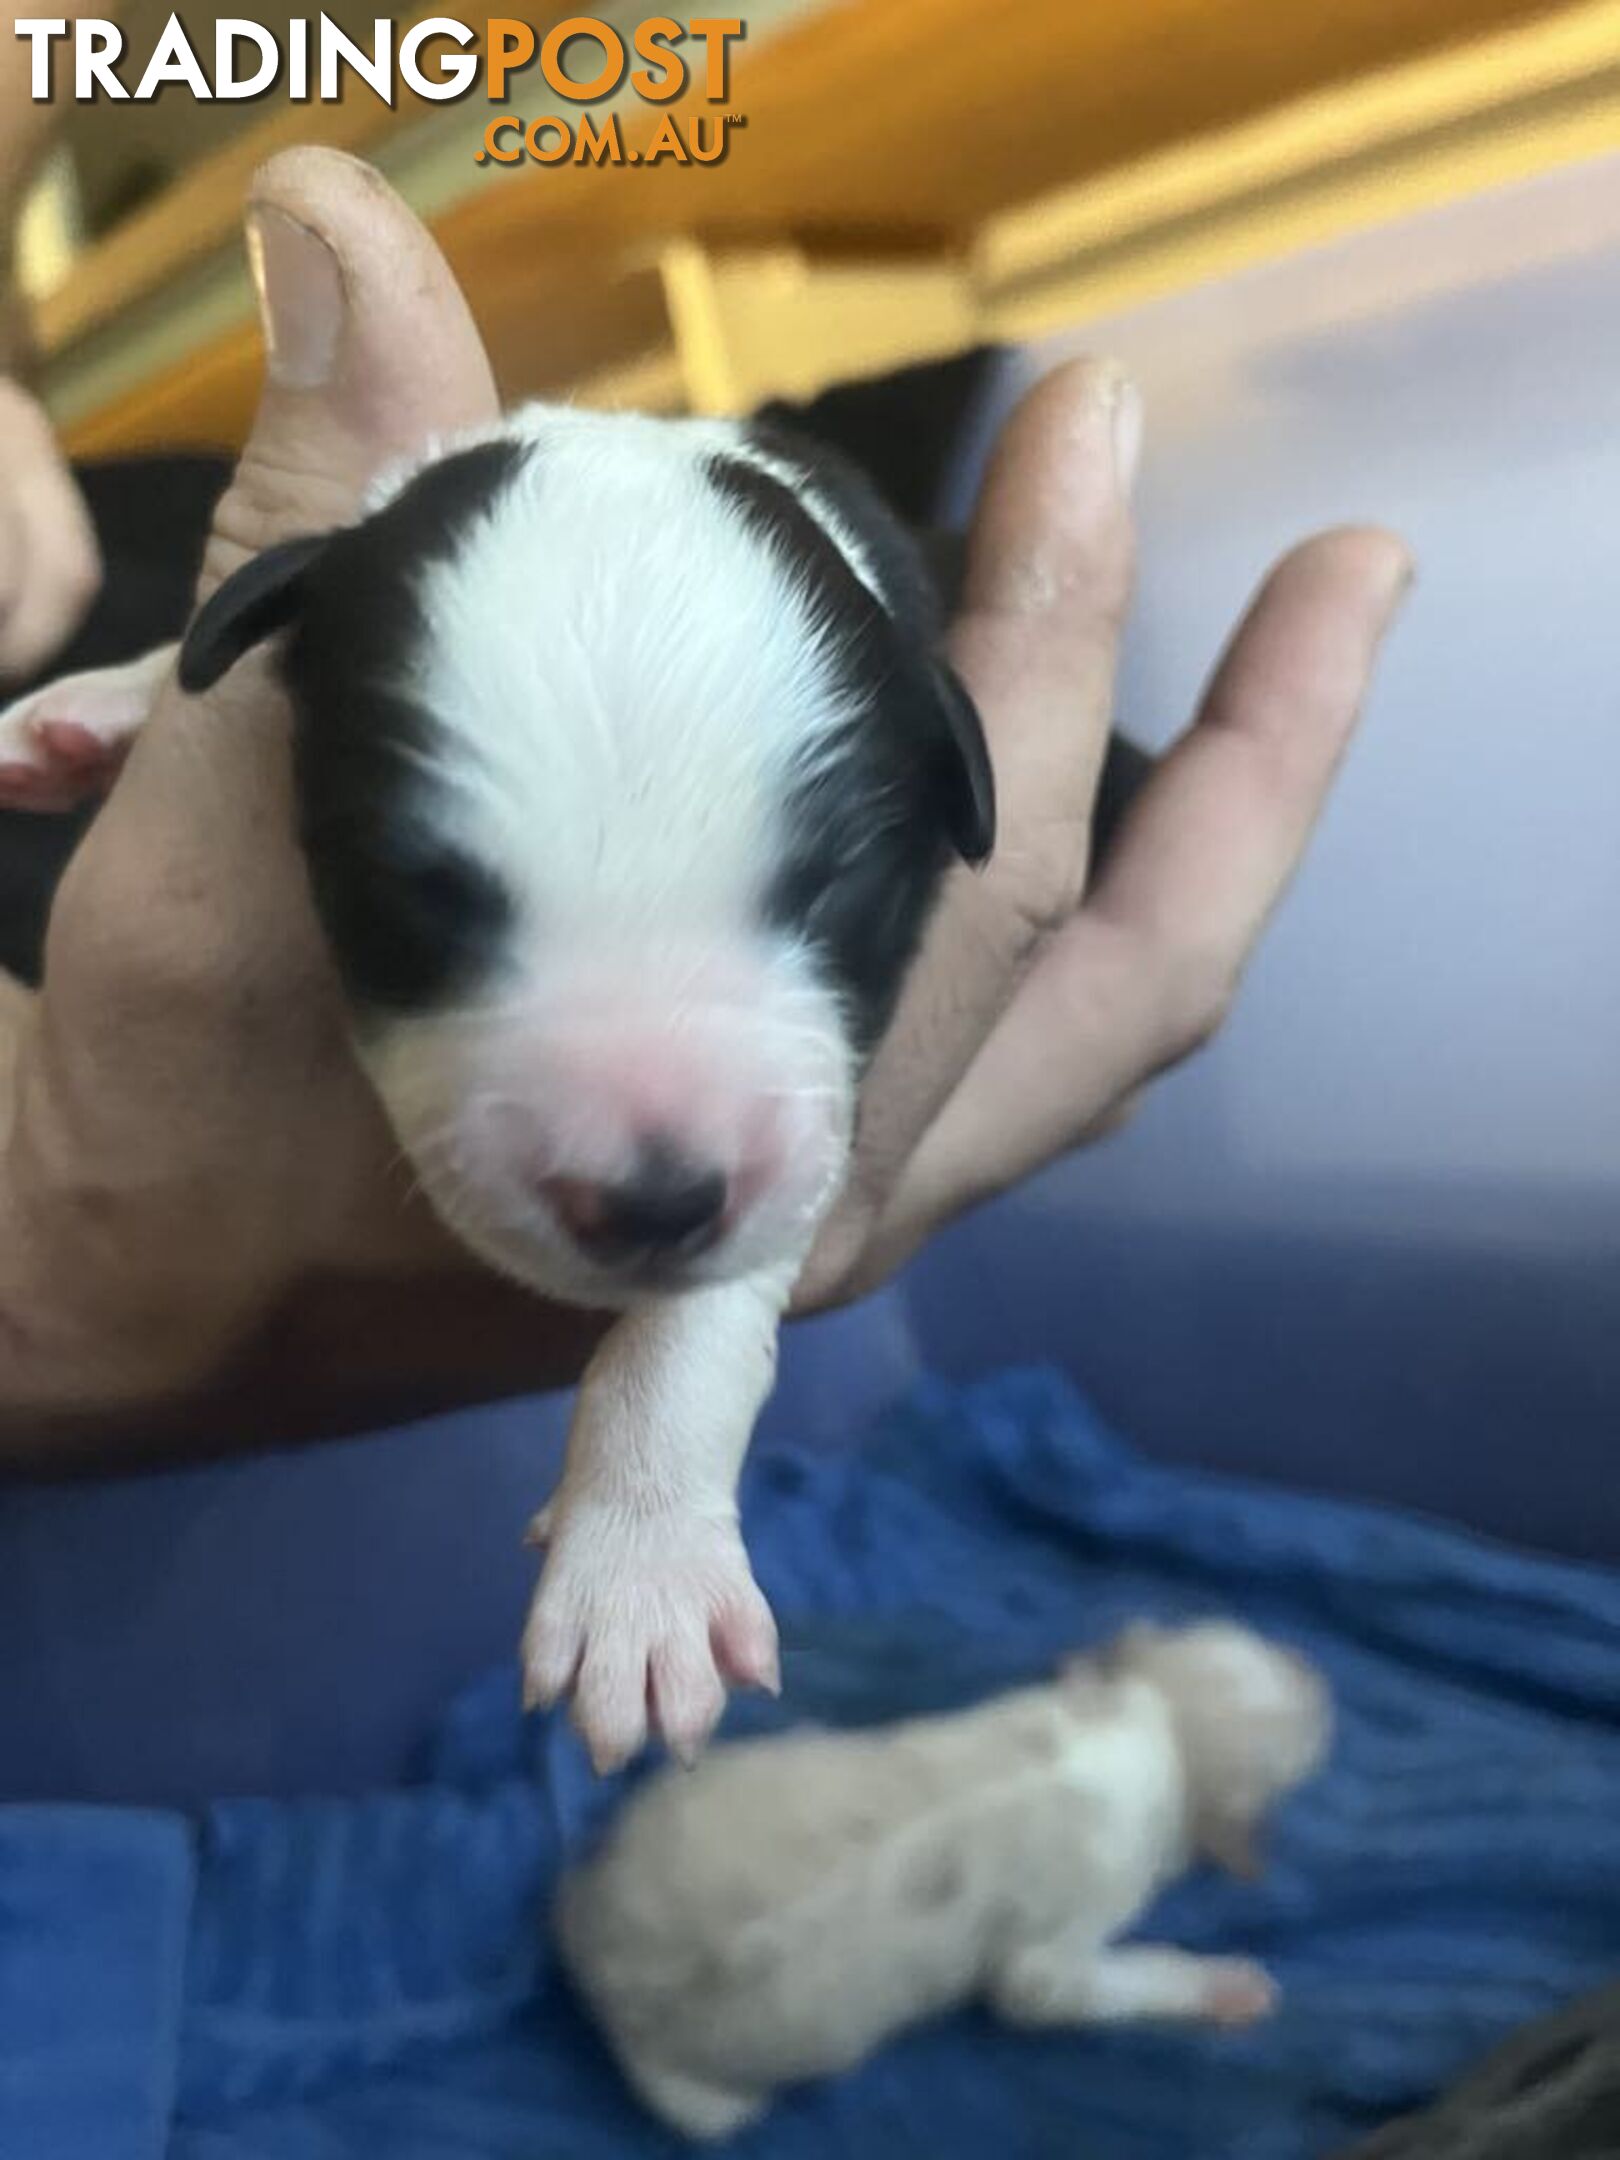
(628, 766)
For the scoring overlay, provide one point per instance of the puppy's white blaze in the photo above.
(627, 694)
(627, 703)
(627, 699)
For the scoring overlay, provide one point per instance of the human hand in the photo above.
(50, 566)
(204, 1222)
(1043, 1004)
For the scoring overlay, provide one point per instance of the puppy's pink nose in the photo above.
(668, 1207)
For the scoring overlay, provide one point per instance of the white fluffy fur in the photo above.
(791, 1903)
(629, 685)
(627, 682)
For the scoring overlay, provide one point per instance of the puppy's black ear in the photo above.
(262, 598)
(970, 787)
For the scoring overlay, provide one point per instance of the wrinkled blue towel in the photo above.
(344, 1980)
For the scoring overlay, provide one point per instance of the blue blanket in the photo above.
(343, 1980)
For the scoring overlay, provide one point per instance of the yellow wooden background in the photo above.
(913, 175)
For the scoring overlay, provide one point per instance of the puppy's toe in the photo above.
(610, 1699)
(551, 1654)
(743, 1635)
(686, 1694)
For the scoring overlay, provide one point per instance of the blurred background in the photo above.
(914, 176)
(1365, 263)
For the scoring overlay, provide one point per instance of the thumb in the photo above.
(369, 351)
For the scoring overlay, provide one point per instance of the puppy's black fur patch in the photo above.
(867, 834)
(262, 598)
(411, 920)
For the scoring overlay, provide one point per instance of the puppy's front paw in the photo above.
(644, 1618)
(66, 742)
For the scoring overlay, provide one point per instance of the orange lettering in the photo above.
(536, 140)
(653, 40)
(511, 45)
(562, 34)
(717, 32)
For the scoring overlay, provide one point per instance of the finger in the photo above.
(55, 571)
(1146, 968)
(371, 354)
(1048, 583)
(370, 350)
(183, 933)
(1210, 846)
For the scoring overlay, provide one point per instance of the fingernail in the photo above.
(1127, 432)
(300, 292)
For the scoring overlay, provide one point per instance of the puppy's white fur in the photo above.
(620, 759)
(791, 1903)
(619, 756)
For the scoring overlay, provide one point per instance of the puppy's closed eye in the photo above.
(418, 919)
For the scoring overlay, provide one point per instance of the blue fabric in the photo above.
(95, 1906)
(366, 1978)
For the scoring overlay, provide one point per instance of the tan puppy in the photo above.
(780, 1911)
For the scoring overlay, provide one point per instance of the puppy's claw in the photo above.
(609, 1757)
(538, 1534)
(550, 1662)
(655, 1613)
(745, 1645)
(686, 1696)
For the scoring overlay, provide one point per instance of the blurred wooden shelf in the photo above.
(912, 175)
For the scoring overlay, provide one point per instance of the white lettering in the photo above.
(456, 73)
(39, 31)
(96, 45)
(373, 68)
(231, 32)
(174, 61)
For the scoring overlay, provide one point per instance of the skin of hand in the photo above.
(205, 1225)
(50, 565)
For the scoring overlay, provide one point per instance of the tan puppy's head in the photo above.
(1254, 1721)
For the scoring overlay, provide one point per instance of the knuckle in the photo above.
(1042, 890)
(1201, 989)
(267, 501)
